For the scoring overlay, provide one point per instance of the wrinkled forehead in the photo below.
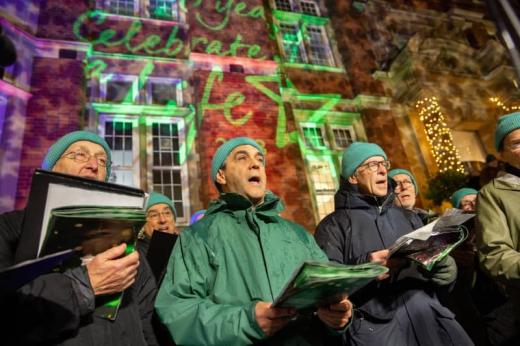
(513, 136)
(470, 197)
(247, 149)
(90, 147)
(401, 177)
(158, 207)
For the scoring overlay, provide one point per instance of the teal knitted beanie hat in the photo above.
(159, 198)
(58, 148)
(225, 149)
(397, 171)
(460, 193)
(506, 124)
(356, 154)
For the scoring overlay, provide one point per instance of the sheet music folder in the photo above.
(159, 252)
(51, 190)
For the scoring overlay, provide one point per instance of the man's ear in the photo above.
(352, 179)
(221, 177)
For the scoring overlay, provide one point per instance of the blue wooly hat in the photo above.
(505, 125)
(397, 171)
(356, 154)
(459, 195)
(159, 198)
(58, 148)
(225, 149)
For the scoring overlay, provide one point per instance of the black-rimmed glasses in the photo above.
(374, 165)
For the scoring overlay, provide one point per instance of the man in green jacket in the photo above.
(227, 268)
(498, 229)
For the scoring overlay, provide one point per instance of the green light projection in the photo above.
(133, 42)
(226, 9)
(154, 44)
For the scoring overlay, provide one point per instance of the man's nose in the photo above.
(255, 163)
(93, 162)
(162, 218)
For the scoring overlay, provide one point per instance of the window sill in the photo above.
(117, 108)
(297, 16)
(135, 17)
(314, 67)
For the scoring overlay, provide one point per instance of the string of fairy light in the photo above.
(439, 135)
(503, 106)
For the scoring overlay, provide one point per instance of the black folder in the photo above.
(161, 246)
(18, 275)
(29, 244)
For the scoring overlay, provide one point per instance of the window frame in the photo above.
(141, 9)
(104, 79)
(301, 46)
(106, 4)
(291, 5)
(147, 6)
(176, 83)
(296, 6)
(349, 128)
(136, 167)
(317, 193)
(305, 44)
(316, 6)
(183, 166)
(326, 43)
(326, 144)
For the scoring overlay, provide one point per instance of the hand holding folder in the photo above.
(92, 218)
(431, 243)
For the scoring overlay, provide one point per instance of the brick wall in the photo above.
(57, 18)
(381, 128)
(285, 168)
(54, 110)
(242, 22)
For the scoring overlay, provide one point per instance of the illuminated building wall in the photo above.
(165, 82)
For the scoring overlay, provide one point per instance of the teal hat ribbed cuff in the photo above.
(60, 146)
(506, 124)
(356, 154)
(397, 171)
(225, 149)
(459, 195)
(159, 198)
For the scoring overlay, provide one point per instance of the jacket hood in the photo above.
(349, 197)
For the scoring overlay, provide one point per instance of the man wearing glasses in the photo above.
(58, 308)
(406, 192)
(400, 308)
(465, 199)
(160, 216)
(498, 231)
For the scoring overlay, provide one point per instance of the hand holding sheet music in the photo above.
(317, 284)
(433, 242)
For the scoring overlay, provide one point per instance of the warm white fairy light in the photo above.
(439, 136)
(504, 107)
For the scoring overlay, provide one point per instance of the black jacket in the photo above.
(57, 308)
(402, 310)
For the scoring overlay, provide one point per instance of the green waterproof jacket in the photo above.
(222, 265)
(498, 235)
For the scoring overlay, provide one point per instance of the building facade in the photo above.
(165, 82)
